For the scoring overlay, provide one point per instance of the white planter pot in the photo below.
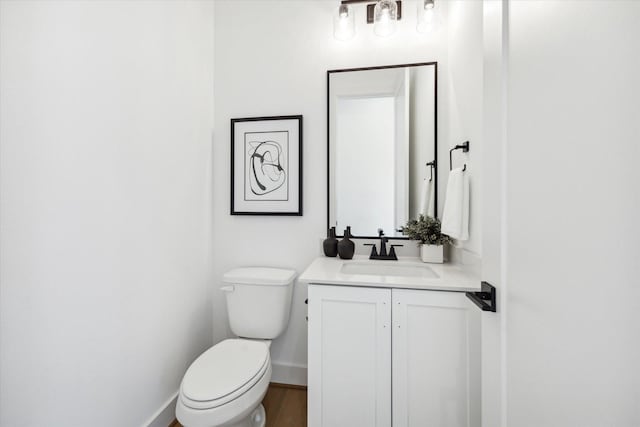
(432, 253)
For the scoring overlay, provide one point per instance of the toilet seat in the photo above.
(234, 413)
(224, 373)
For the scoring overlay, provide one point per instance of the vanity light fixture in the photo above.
(383, 14)
(344, 23)
(427, 19)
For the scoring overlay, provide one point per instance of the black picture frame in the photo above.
(288, 164)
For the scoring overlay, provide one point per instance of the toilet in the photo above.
(225, 385)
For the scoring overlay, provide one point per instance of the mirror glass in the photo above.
(382, 147)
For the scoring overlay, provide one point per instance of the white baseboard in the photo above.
(289, 374)
(165, 415)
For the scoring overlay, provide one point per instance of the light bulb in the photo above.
(427, 19)
(385, 16)
(344, 23)
(343, 11)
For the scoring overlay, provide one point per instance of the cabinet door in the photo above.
(436, 359)
(349, 371)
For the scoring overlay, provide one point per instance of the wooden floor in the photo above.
(286, 406)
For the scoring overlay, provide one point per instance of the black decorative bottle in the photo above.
(346, 247)
(330, 244)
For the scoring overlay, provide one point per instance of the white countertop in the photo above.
(446, 277)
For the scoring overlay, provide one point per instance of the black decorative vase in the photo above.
(330, 244)
(346, 247)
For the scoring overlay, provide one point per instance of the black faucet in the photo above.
(383, 255)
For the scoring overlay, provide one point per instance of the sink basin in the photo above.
(388, 268)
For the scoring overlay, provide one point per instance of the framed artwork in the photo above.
(266, 166)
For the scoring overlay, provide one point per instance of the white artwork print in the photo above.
(266, 174)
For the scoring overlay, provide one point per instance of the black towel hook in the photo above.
(432, 165)
(465, 148)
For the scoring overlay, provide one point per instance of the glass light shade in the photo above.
(344, 23)
(385, 16)
(427, 16)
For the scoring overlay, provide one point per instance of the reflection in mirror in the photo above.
(382, 143)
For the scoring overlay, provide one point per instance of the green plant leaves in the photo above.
(426, 230)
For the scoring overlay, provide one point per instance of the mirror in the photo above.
(382, 136)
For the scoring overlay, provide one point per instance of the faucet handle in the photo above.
(392, 252)
(380, 232)
(374, 250)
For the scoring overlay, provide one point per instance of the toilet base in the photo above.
(258, 418)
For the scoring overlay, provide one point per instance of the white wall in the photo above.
(572, 218)
(271, 59)
(106, 113)
(464, 115)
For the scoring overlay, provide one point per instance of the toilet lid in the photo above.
(224, 368)
(259, 276)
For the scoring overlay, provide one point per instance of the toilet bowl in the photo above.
(225, 385)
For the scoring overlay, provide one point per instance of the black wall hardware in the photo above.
(485, 299)
(432, 165)
(465, 149)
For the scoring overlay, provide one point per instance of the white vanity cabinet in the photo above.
(436, 359)
(349, 372)
(392, 357)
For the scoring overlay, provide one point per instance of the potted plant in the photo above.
(426, 231)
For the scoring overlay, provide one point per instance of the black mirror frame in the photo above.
(435, 134)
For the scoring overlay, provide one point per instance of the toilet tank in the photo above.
(258, 300)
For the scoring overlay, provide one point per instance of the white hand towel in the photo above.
(431, 209)
(455, 219)
(426, 198)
